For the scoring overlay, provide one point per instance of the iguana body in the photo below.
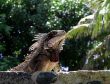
(43, 54)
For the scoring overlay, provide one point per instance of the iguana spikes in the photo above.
(44, 53)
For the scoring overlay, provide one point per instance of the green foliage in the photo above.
(66, 13)
(99, 37)
(102, 20)
(79, 31)
(20, 20)
(8, 62)
(2, 47)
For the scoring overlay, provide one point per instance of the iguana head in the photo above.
(53, 44)
(52, 40)
(55, 39)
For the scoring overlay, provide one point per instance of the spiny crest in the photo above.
(39, 38)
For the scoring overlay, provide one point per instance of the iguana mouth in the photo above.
(55, 43)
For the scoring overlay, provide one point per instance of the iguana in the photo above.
(44, 53)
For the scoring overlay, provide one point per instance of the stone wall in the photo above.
(72, 77)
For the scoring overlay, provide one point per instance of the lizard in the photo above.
(43, 53)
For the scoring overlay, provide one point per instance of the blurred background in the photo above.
(20, 20)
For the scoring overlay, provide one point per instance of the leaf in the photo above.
(5, 29)
(102, 21)
(2, 47)
(79, 31)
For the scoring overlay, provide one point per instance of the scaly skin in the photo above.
(44, 53)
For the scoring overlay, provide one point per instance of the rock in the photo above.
(44, 77)
(71, 77)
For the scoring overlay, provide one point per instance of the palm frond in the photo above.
(79, 31)
(102, 48)
(102, 21)
(99, 54)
